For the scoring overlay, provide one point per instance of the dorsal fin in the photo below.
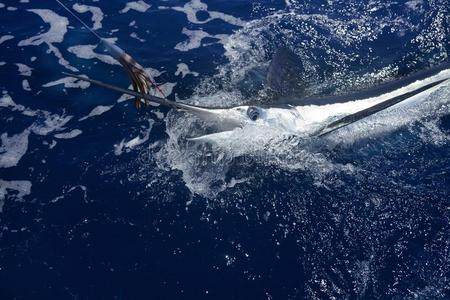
(285, 73)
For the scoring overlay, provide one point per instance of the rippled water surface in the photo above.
(100, 200)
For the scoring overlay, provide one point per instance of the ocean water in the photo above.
(99, 200)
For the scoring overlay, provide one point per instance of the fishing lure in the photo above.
(141, 81)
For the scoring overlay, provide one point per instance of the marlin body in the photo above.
(301, 116)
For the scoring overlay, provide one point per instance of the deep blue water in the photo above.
(88, 214)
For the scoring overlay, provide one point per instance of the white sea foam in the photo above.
(7, 101)
(15, 189)
(134, 35)
(69, 82)
(134, 142)
(87, 52)
(51, 123)
(26, 85)
(194, 6)
(56, 33)
(13, 148)
(71, 189)
(183, 70)
(24, 70)
(97, 14)
(45, 122)
(167, 88)
(5, 38)
(195, 39)
(139, 6)
(53, 144)
(125, 97)
(97, 111)
(68, 135)
(158, 114)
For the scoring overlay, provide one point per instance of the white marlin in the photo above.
(292, 114)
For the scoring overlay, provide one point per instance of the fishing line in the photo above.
(79, 20)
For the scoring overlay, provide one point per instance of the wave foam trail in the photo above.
(56, 33)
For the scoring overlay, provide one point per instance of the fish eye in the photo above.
(253, 113)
